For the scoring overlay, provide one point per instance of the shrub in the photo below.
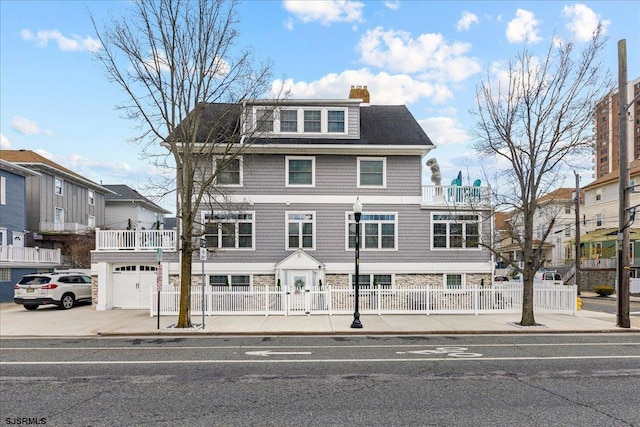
(604, 290)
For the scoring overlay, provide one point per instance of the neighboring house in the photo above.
(126, 209)
(16, 258)
(60, 203)
(291, 221)
(598, 239)
(557, 205)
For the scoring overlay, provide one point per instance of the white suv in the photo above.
(62, 289)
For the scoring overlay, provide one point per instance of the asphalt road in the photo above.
(460, 380)
(608, 305)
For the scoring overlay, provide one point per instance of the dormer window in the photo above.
(335, 121)
(264, 121)
(287, 121)
(312, 120)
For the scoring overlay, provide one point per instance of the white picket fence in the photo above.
(476, 300)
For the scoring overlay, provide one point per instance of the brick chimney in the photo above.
(359, 92)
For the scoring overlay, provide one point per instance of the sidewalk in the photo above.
(49, 321)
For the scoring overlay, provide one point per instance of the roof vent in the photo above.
(359, 92)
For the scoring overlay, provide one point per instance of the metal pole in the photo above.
(622, 293)
(577, 275)
(356, 315)
(203, 294)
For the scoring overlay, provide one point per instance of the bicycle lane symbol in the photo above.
(449, 351)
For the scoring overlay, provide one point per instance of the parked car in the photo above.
(61, 289)
(498, 279)
(547, 278)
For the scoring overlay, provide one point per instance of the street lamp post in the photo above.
(357, 212)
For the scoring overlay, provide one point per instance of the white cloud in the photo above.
(28, 127)
(392, 4)
(384, 88)
(468, 18)
(523, 28)
(76, 43)
(429, 53)
(4, 142)
(583, 21)
(325, 11)
(444, 130)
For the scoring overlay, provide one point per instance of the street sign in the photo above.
(159, 277)
(203, 249)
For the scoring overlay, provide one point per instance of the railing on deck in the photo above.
(63, 227)
(499, 299)
(138, 240)
(437, 195)
(29, 255)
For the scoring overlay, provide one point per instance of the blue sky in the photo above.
(428, 55)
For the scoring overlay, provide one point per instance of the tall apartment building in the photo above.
(608, 129)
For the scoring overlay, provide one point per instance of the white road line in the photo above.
(249, 361)
(249, 347)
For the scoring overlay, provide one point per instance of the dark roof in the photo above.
(379, 125)
(124, 193)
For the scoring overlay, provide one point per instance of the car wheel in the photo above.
(67, 301)
(30, 306)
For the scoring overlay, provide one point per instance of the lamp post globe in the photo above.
(357, 213)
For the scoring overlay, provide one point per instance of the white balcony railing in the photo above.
(136, 240)
(63, 227)
(13, 254)
(448, 195)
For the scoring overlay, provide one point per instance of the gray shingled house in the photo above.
(289, 202)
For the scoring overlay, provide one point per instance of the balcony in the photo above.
(456, 196)
(136, 240)
(28, 256)
(62, 227)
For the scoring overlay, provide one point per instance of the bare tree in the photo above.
(173, 59)
(536, 119)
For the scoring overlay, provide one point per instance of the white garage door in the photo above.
(132, 284)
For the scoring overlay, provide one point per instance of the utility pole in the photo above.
(622, 292)
(577, 209)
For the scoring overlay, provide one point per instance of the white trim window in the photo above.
(231, 175)
(91, 197)
(301, 230)
(372, 172)
(455, 231)
(301, 171)
(378, 231)
(91, 221)
(3, 190)
(288, 121)
(312, 121)
(300, 120)
(58, 186)
(264, 120)
(229, 230)
(453, 281)
(373, 281)
(335, 121)
(231, 282)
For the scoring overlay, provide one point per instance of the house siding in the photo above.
(13, 212)
(42, 201)
(413, 236)
(334, 175)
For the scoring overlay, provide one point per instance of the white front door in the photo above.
(301, 280)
